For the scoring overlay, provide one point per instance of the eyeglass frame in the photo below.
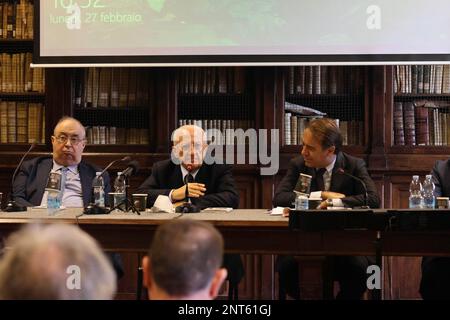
(62, 139)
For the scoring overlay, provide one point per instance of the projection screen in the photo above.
(249, 32)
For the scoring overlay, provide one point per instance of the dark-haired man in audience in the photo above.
(184, 262)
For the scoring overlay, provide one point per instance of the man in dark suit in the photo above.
(323, 159)
(211, 185)
(435, 282)
(68, 142)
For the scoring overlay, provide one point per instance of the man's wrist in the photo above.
(329, 202)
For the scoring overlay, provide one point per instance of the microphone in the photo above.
(366, 196)
(92, 208)
(127, 158)
(187, 206)
(12, 206)
(132, 168)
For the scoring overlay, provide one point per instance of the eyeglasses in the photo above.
(73, 140)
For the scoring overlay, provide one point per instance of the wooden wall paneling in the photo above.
(127, 286)
(58, 98)
(165, 110)
(401, 277)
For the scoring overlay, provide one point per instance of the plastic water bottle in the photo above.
(301, 202)
(99, 190)
(415, 194)
(429, 200)
(53, 201)
(119, 189)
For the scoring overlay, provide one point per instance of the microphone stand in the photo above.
(12, 206)
(127, 203)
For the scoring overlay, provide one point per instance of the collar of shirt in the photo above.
(184, 172)
(330, 167)
(73, 169)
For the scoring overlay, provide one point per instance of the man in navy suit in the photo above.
(68, 142)
(323, 159)
(209, 185)
(435, 282)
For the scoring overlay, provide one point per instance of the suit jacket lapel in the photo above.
(86, 183)
(337, 179)
(202, 175)
(176, 179)
(41, 179)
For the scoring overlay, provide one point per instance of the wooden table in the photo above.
(244, 231)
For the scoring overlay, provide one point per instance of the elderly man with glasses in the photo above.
(68, 143)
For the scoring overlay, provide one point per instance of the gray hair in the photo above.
(182, 132)
(38, 258)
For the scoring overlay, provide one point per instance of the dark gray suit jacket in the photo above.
(220, 187)
(354, 191)
(29, 184)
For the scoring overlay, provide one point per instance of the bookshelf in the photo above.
(325, 91)
(114, 104)
(420, 108)
(22, 89)
(216, 98)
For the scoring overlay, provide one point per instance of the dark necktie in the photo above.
(319, 179)
(189, 178)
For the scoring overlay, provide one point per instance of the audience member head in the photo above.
(55, 262)
(184, 261)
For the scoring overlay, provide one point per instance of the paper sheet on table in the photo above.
(221, 209)
(278, 211)
(163, 204)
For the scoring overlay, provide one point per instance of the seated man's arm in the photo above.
(438, 175)
(19, 193)
(225, 195)
(372, 194)
(153, 187)
(285, 195)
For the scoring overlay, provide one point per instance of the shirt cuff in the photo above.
(170, 195)
(338, 203)
(316, 195)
